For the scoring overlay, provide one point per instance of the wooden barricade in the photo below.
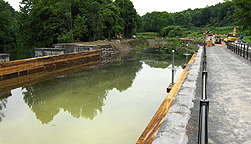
(24, 80)
(28, 66)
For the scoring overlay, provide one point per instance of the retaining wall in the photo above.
(107, 51)
(27, 66)
(4, 57)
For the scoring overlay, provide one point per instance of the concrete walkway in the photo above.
(229, 93)
(173, 129)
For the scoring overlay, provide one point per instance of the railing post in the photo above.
(234, 49)
(247, 52)
(238, 49)
(243, 54)
(173, 69)
(241, 49)
(240, 46)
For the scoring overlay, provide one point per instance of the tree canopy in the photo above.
(8, 27)
(243, 14)
(218, 15)
(42, 23)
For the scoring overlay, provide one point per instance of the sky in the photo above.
(144, 6)
(171, 6)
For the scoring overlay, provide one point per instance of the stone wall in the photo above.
(70, 48)
(4, 57)
(39, 52)
(107, 51)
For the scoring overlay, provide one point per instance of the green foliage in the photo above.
(8, 28)
(129, 16)
(243, 14)
(80, 28)
(172, 31)
(139, 43)
(172, 44)
(184, 23)
(155, 21)
(147, 35)
(43, 23)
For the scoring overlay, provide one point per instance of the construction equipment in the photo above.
(217, 39)
(210, 36)
(117, 37)
(231, 37)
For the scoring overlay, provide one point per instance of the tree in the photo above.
(46, 22)
(156, 21)
(80, 28)
(111, 19)
(243, 14)
(129, 16)
(8, 28)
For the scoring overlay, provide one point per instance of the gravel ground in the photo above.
(229, 95)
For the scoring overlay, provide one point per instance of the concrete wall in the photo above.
(4, 57)
(107, 51)
(39, 52)
(70, 48)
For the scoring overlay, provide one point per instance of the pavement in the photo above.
(229, 95)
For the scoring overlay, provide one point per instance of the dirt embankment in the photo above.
(123, 46)
(153, 43)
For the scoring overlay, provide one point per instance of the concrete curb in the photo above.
(173, 128)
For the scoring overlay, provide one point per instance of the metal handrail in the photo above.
(241, 49)
(204, 106)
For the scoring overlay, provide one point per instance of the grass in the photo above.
(147, 35)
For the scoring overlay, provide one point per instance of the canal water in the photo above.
(111, 104)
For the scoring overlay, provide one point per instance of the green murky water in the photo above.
(109, 105)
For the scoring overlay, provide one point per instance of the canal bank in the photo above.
(110, 104)
(174, 126)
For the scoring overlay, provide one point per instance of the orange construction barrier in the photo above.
(209, 43)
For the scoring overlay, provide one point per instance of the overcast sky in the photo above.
(144, 6)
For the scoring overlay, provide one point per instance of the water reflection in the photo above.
(89, 106)
(27, 79)
(160, 60)
(3, 103)
(82, 94)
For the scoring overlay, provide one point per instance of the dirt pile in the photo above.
(119, 46)
(124, 46)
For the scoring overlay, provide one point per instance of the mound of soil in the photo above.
(119, 46)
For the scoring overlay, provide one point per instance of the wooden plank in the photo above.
(9, 84)
(152, 128)
(18, 66)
